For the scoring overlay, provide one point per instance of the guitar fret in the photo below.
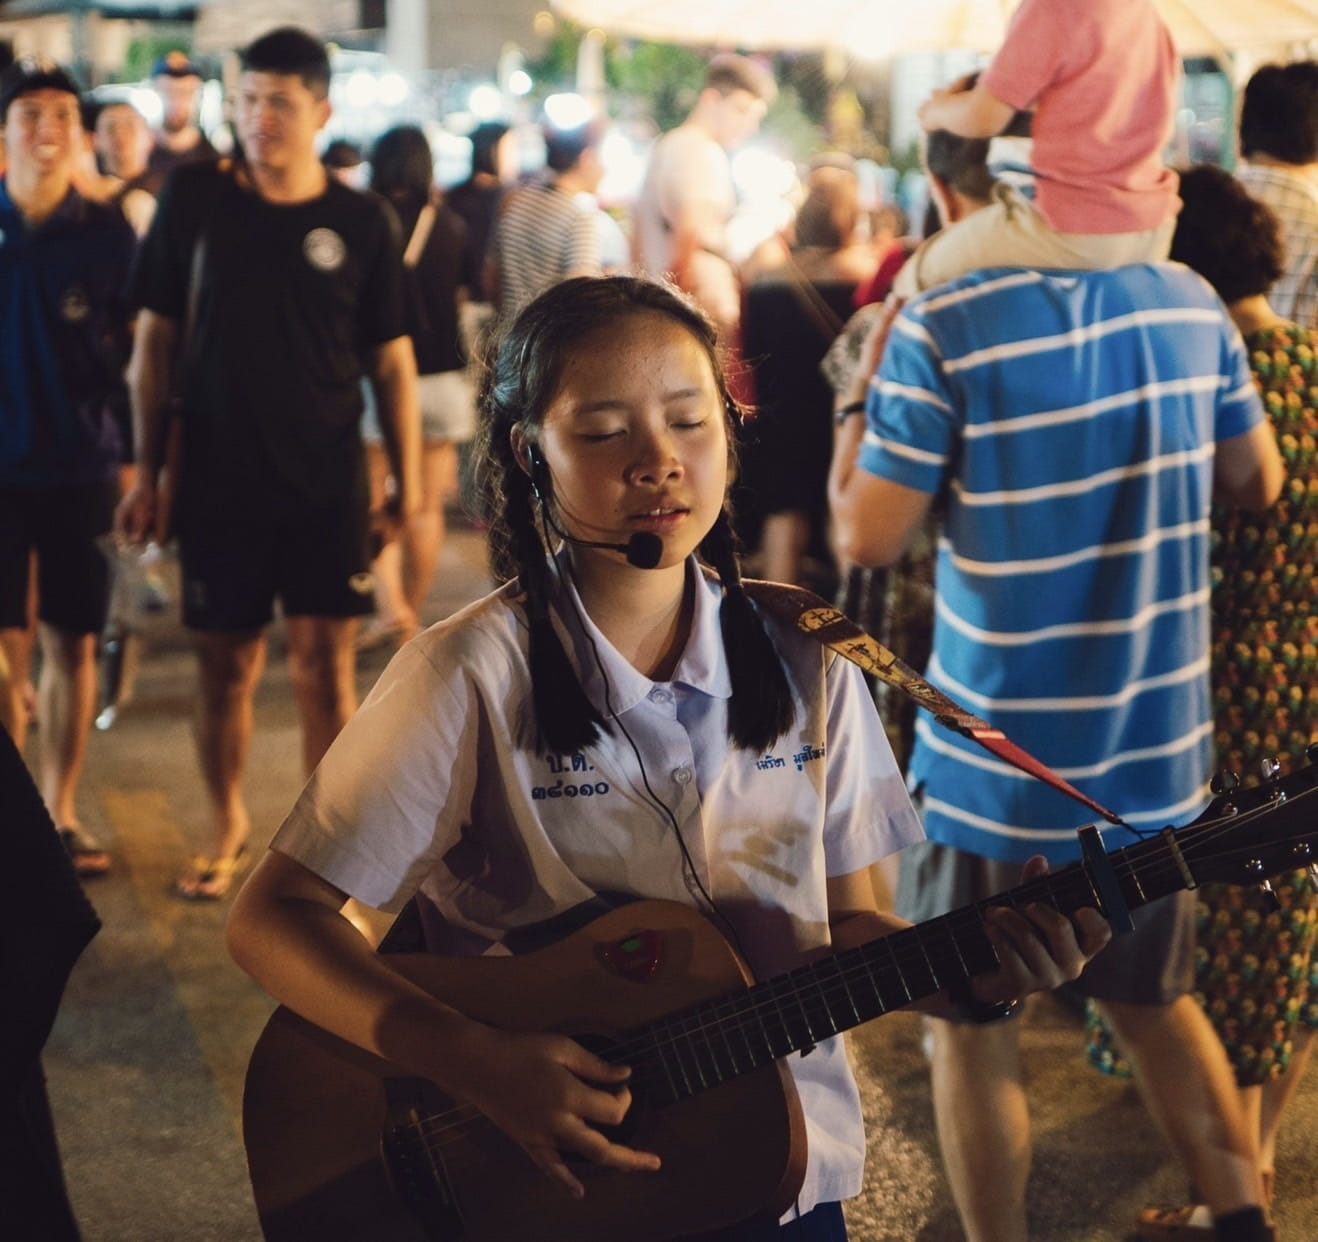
(842, 965)
(888, 946)
(687, 1058)
(787, 1042)
(725, 1026)
(825, 974)
(663, 1047)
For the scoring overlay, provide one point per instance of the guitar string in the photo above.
(748, 1009)
(761, 999)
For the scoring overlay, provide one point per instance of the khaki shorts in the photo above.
(1153, 965)
(1012, 232)
(448, 409)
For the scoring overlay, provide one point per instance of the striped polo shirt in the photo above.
(543, 235)
(1066, 423)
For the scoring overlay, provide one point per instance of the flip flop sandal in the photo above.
(1188, 1223)
(89, 859)
(209, 879)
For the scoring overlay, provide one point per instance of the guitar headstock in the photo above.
(1248, 834)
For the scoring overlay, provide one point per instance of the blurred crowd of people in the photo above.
(274, 361)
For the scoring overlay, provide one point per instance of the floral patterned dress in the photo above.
(1256, 971)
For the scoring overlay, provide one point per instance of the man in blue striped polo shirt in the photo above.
(1072, 428)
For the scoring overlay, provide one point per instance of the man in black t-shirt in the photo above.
(178, 140)
(274, 289)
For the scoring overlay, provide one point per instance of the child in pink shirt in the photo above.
(1101, 77)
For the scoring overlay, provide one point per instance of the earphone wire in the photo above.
(690, 875)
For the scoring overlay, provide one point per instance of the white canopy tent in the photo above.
(878, 29)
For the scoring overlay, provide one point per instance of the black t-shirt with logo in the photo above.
(290, 300)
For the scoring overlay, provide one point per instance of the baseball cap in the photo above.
(175, 65)
(34, 73)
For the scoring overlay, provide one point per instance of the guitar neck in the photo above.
(707, 1044)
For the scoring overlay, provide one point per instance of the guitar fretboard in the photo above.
(707, 1044)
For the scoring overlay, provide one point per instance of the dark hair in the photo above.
(961, 163)
(729, 72)
(521, 380)
(342, 154)
(402, 165)
(288, 50)
(1231, 239)
(831, 210)
(564, 147)
(485, 139)
(1279, 113)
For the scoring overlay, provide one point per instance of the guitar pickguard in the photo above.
(636, 957)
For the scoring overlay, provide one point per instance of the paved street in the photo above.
(147, 1060)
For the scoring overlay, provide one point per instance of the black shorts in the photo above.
(61, 525)
(315, 561)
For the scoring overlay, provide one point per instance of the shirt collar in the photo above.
(701, 666)
(71, 209)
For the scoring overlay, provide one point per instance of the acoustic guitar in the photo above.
(344, 1147)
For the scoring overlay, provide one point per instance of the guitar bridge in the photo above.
(419, 1179)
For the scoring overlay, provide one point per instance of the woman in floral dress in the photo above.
(1257, 972)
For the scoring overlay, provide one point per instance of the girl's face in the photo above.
(635, 439)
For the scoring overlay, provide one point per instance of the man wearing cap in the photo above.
(178, 140)
(268, 291)
(63, 266)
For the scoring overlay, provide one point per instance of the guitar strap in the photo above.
(811, 615)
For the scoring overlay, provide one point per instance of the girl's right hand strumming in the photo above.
(549, 1094)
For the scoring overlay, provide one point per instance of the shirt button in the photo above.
(682, 775)
(660, 695)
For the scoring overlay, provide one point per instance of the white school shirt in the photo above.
(432, 787)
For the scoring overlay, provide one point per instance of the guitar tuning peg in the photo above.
(1224, 782)
(1270, 896)
(1269, 768)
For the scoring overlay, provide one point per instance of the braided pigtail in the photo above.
(565, 719)
(762, 707)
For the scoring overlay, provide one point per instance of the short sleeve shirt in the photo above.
(543, 235)
(431, 786)
(1069, 421)
(1102, 78)
(290, 301)
(64, 331)
(1293, 197)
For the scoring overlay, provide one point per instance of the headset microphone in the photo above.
(644, 550)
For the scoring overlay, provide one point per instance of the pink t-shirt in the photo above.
(1102, 77)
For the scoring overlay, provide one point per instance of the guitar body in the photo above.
(315, 1107)
(344, 1147)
